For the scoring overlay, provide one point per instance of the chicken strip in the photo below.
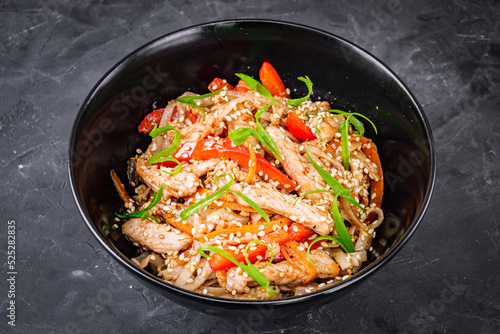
(270, 199)
(156, 237)
(181, 184)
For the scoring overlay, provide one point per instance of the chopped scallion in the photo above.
(333, 183)
(143, 214)
(249, 268)
(189, 100)
(296, 102)
(174, 146)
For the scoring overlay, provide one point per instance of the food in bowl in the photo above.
(247, 193)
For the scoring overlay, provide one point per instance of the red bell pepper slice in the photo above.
(150, 120)
(218, 83)
(242, 86)
(224, 149)
(298, 128)
(271, 80)
(219, 262)
(299, 232)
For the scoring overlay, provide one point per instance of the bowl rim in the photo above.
(356, 278)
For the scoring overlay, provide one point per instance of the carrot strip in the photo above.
(299, 258)
(253, 229)
(252, 164)
(179, 224)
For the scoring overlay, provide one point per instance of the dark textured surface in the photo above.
(445, 279)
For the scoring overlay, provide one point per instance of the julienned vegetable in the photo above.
(271, 80)
(160, 156)
(190, 100)
(333, 183)
(224, 149)
(309, 84)
(249, 268)
(239, 136)
(259, 215)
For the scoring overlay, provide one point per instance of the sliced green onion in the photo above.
(341, 229)
(266, 138)
(252, 204)
(344, 130)
(169, 150)
(309, 84)
(333, 183)
(240, 135)
(249, 269)
(344, 140)
(207, 200)
(325, 237)
(189, 100)
(172, 159)
(268, 141)
(344, 237)
(143, 214)
(254, 84)
(153, 218)
(312, 192)
(261, 111)
(358, 125)
(159, 130)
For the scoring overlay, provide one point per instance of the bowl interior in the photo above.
(105, 131)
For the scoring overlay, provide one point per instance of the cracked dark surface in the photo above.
(53, 52)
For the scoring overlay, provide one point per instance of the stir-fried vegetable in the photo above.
(224, 149)
(249, 268)
(228, 222)
(151, 120)
(256, 253)
(143, 214)
(271, 80)
(190, 100)
(309, 84)
(298, 128)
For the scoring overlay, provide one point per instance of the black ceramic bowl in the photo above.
(105, 132)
